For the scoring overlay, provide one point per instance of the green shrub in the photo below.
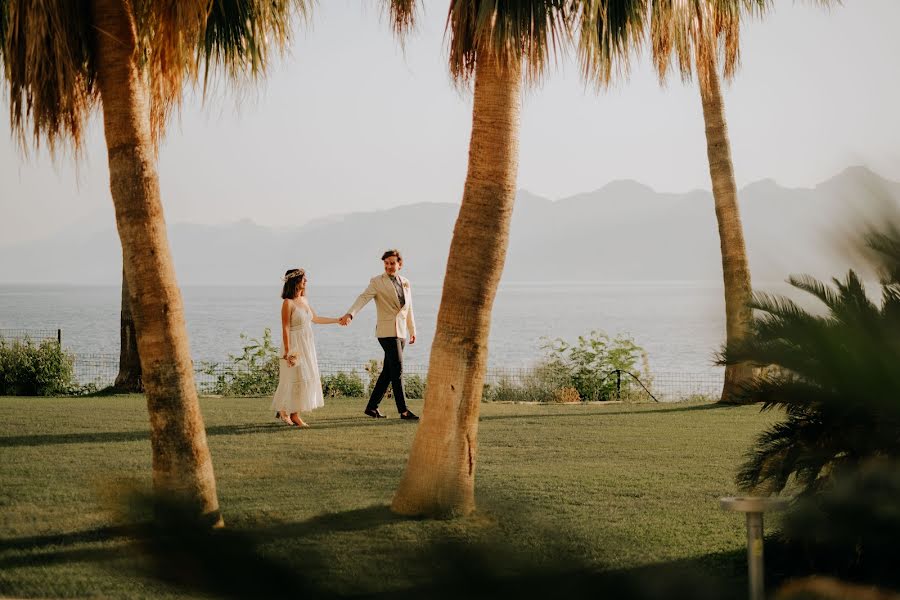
(834, 373)
(30, 369)
(539, 384)
(341, 384)
(591, 363)
(373, 369)
(414, 386)
(253, 373)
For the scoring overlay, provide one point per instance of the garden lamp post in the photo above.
(754, 507)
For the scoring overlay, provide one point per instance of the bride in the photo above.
(299, 385)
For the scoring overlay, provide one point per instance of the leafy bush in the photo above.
(835, 374)
(253, 373)
(30, 369)
(539, 384)
(373, 369)
(414, 386)
(591, 363)
(341, 384)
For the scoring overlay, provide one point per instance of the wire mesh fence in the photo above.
(95, 370)
(35, 335)
(536, 384)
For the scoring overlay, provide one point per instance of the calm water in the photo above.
(680, 324)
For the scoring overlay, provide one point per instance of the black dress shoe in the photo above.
(409, 416)
(375, 413)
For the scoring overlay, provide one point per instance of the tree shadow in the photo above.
(99, 534)
(53, 439)
(606, 413)
(230, 563)
(93, 437)
(176, 550)
(359, 519)
(350, 520)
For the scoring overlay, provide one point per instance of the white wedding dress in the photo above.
(299, 387)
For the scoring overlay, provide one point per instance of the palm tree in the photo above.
(132, 58)
(496, 45)
(692, 32)
(129, 377)
(835, 375)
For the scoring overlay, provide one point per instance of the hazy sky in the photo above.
(349, 122)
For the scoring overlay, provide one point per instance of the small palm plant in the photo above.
(836, 375)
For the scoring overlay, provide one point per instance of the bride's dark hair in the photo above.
(293, 282)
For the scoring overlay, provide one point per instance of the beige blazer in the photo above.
(393, 321)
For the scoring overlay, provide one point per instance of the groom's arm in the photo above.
(363, 299)
(411, 322)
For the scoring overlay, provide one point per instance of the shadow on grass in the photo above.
(350, 520)
(229, 563)
(15, 441)
(94, 437)
(608, 413)
(99, 534)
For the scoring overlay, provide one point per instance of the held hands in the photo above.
(345, 320)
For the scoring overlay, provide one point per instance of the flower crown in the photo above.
(294, 274)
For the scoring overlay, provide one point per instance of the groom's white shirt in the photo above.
(392, 319)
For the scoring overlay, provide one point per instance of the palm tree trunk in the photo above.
(129, 377)
(182, 466)
(440, 475)
(735, 270)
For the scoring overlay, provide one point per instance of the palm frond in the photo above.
(886, 245)
(403, 15)
(184, 40)
(773, 304)
(795, 447)
(509, 31)
(4, 27)
(48, 66)
(699, 35)
(240, 35)
(836, 377)
(610, 32)
(816, 288)
(47, 47)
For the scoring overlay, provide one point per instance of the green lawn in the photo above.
(614, 487)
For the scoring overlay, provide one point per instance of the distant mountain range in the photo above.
(624, 231)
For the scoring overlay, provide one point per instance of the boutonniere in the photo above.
(406, 285)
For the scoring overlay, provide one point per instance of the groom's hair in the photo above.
(392, 252)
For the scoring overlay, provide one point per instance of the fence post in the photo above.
(59, 336)
(618, 384)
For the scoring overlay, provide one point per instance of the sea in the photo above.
(680, 324)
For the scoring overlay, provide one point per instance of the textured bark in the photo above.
(182, 467)
(440, 476)
(735, 271)
(129, 377)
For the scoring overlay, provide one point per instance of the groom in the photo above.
(393, 302)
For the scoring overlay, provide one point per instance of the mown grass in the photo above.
(613, 487)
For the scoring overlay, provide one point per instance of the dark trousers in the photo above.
(391, 374)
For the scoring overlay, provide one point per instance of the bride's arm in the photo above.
(285, 328)
(322, 320)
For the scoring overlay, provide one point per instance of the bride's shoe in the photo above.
(299, 422)
(283, 418)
